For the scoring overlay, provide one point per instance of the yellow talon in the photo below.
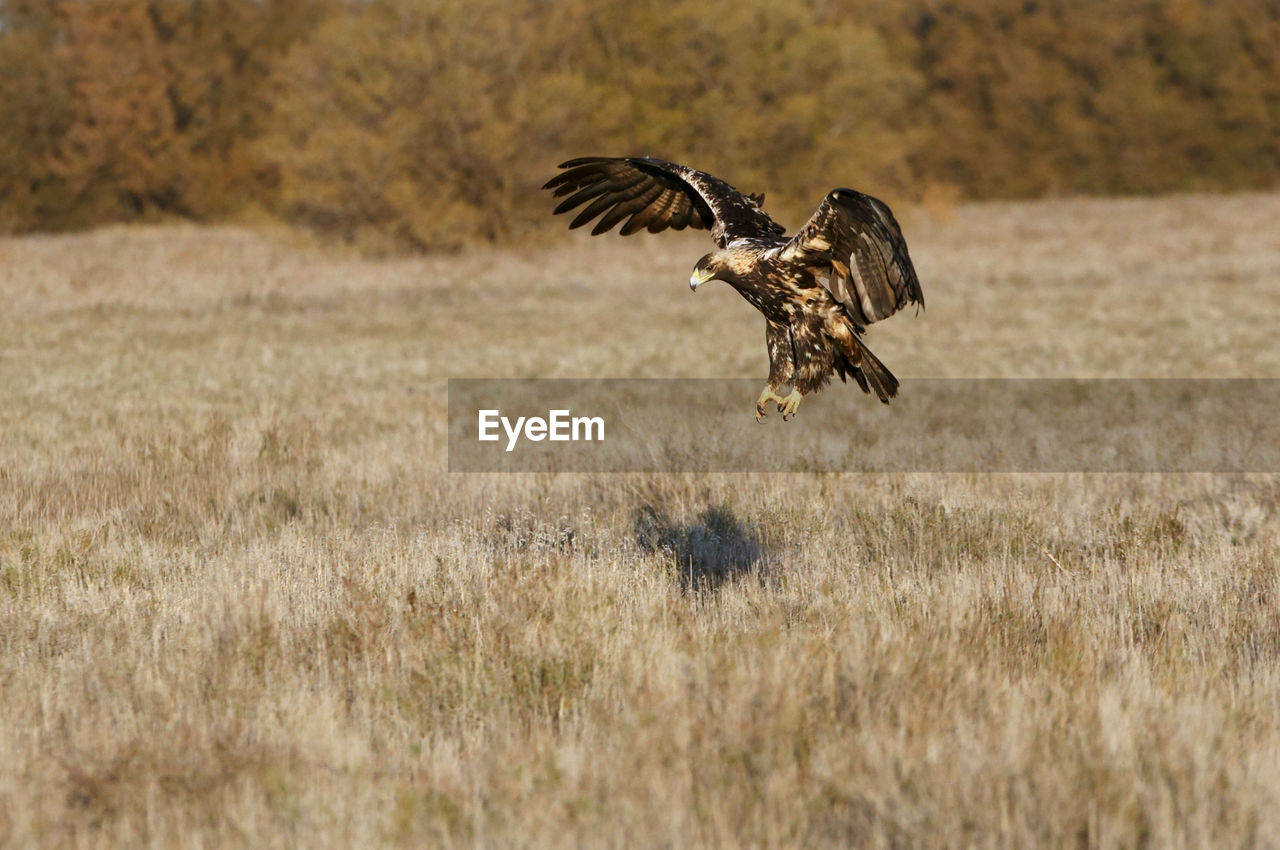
(765, 397)
(790, 405)
(787, 405)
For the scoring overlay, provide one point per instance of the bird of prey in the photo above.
(847, 267)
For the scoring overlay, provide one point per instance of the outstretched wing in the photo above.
(854, 242)
(653, 195)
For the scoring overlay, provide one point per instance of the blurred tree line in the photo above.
(426, 123)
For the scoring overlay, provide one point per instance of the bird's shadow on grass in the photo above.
(706, 552)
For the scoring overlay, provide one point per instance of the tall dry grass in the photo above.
(241, 602)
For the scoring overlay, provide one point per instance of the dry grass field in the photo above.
(243, 604)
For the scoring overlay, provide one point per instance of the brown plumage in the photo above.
(847, 267)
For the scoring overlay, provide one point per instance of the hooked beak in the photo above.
(699, 277)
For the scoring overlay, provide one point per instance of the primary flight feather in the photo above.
(847, 266)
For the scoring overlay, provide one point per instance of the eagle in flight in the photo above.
(847, 267)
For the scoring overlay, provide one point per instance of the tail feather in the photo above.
(870, 373)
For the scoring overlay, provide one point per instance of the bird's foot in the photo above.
(787, 405)
(765, 397)
(790, 405)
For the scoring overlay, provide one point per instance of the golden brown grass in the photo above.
(241, 602)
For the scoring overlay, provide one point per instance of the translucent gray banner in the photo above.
(979, 425)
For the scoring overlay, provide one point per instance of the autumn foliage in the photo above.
(423, 123)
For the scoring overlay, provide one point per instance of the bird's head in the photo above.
(710, 267)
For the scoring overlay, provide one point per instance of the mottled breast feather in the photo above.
(854, 244)
(651, 194)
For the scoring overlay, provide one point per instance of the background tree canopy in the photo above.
(420, 124)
